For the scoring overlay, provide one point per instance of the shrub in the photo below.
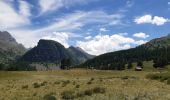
(88, 92)
(43, 83)
(65, 83)
(168, 81)
(89, 82)
(67, 95)
(25, 87)
(49, 97)
(92, 79)
(101, 80)
(74, 83)
(56, 82)
(125, 77)
(81, 94)
(77, 86)
(160, 76)
(99, 90)
(36, 85)
(153, 76)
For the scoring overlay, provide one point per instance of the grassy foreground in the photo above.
(81, 85)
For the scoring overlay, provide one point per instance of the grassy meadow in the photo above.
(79, 84)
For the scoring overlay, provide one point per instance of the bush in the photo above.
(160, 76)
(65, 83)
(153, 76)
(77, 86)
(125, 77)
(99, 90)
(56, 82)
(25, 87)
(89, 82)
(49, 97)
(36, 85)
(43, 83)
(168, 81)
(67, 95)
(88, 92)
(92, 79)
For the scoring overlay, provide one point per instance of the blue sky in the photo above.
(97, 26)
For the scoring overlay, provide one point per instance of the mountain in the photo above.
(53, 52)
(46, 51)
(156, 49)
(9, 48)
(79, 55)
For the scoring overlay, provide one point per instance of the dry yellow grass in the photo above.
(119, 85)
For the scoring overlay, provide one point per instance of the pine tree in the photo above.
(130, 66)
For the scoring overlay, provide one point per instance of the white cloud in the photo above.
(103, 30)
(88, 37)
(61, 37)
(24, 8)
(104, 43)
(9, 17)
(156, 20)
(141, 35)
(54, 5)
(140, 42)
(129, 3)
(50, 5)
(79, 19)
(169, 3)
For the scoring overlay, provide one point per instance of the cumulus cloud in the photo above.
(156, 20)
(141, 35)
(10, 18)
(104, 43)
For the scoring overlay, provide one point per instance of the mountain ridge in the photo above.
(156, 49)
(53, 52)
(9, 48)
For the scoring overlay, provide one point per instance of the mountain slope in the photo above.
(9, 48)
(155, 49)
(79, 55)
(49, 51)
(46, 51)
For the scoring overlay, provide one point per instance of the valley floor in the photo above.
(81, 85)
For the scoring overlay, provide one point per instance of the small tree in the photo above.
(140, 63)
(130, 66)
(1, 66)
(65, 63)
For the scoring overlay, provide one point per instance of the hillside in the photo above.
(79, 55)
(157, 50)
(9, 48)
(49, 51)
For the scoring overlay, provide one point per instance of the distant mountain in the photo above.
(79, 55)
(53, 52)
(9, 48)
(157, 49)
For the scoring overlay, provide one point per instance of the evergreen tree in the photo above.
(65, 64)
(1, 66)
(130, 66)
(140, 63)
